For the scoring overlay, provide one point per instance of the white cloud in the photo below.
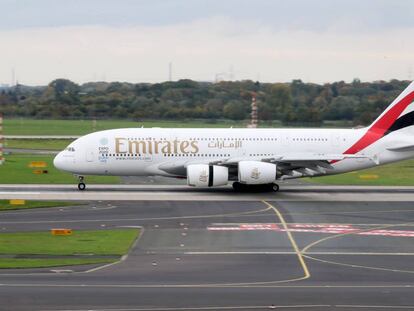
(201, 49)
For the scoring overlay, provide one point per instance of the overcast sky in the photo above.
(267, 40)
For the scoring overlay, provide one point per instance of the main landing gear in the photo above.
(239, 187)
(81, 184)
(275, 187)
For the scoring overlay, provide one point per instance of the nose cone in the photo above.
(62, 162)
(58, 161)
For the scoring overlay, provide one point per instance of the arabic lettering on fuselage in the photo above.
(223, 144)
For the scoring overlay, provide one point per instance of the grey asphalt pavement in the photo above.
(227, 255)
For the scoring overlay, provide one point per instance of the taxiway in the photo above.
(228, 255)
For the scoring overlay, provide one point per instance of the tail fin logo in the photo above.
(398, 115)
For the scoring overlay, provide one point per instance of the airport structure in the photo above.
(254, 117)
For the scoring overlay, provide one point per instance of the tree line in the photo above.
(294, 102)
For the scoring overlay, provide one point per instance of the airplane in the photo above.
(247, 157)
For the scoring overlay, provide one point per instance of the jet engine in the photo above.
(203, 175)
(256, 173)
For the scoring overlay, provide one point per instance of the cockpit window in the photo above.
(70, 149)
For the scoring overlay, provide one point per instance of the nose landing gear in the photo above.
(81, 184)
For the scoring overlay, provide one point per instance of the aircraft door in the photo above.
(241, 151)
(336, 138)
(335, 146)
(285, 137)
(89, 155)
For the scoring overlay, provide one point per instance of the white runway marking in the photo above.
(184, 193)
(312, 228)
(388, 307)
(205, 308)
(308, 253)
(236, 285)
(239, 214)
(374, 307)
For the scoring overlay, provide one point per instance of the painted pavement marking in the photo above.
(312, 228)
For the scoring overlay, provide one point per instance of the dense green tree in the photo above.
(235, 110)
(358, 102)
(276, 103)
(65, 91)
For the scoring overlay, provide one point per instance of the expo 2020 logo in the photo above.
(104, 141)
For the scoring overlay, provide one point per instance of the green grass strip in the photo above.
(37, 144)
(6, 206)
(82, 127)
(102, 242)
(395, 174)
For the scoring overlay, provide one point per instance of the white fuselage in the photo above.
(156, 151)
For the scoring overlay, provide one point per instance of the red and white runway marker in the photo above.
(315, 228)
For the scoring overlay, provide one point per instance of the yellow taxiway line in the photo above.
(292, 240)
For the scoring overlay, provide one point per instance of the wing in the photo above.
(303, 164)
(288, 166)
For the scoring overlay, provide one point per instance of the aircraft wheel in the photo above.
(81, 186)
(275, 187)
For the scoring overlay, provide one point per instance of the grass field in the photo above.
(6, 206)
(81, 127)
(395, 174)
(38, 144)
(91, 243)
(16, 171)
(103, 242)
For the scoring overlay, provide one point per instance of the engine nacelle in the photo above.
(256, 173)
(203, 175)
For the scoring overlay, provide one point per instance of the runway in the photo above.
(288, 192)
(229, 255)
